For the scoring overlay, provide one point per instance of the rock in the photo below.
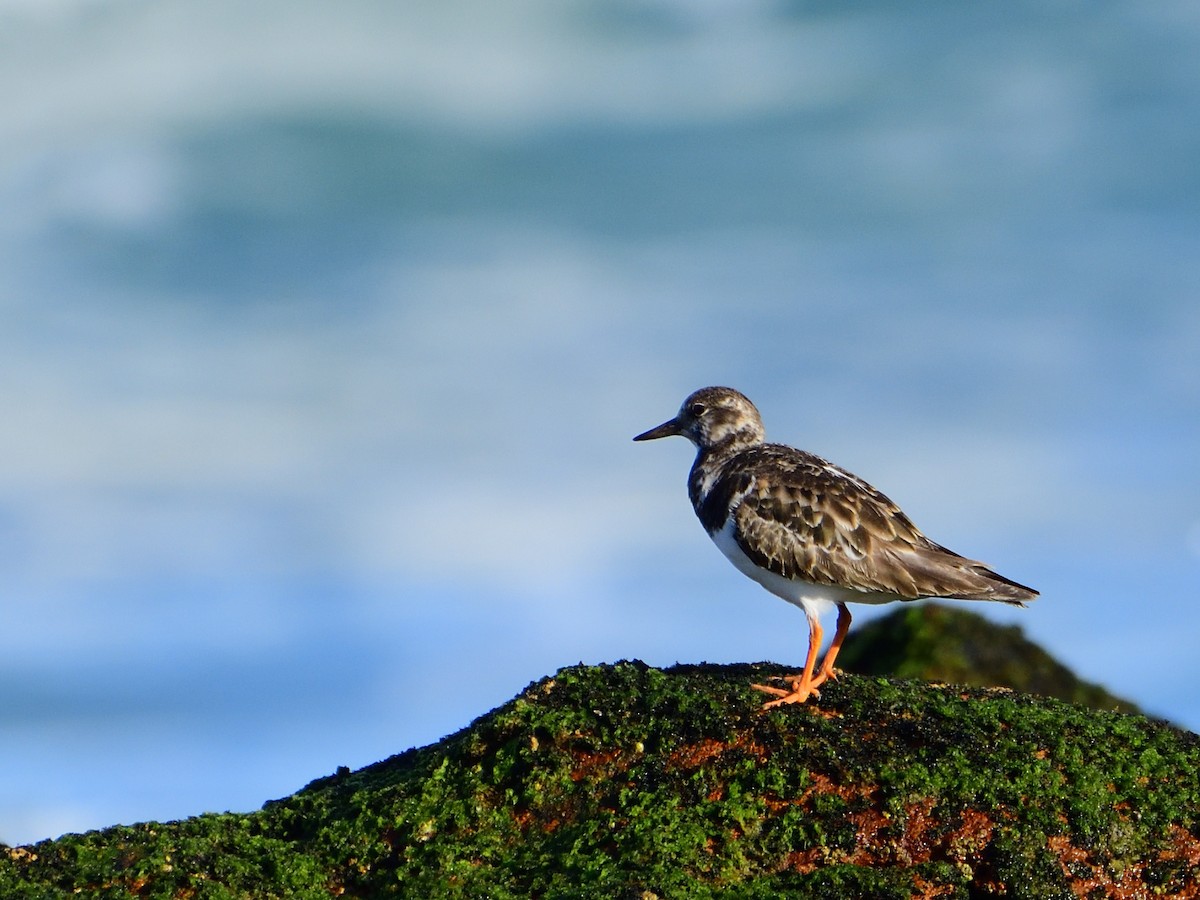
(948, 644)
(626, 781)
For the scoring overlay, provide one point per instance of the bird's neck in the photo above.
(710, 465)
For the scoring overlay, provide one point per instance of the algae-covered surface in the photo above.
(626, 781)
(935, 642)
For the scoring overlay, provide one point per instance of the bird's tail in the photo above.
(1000, 588)
(968, 579)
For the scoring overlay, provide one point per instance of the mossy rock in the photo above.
(625, 781)
(941, 643)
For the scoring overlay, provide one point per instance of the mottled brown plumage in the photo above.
(805, 519)
(810, 531)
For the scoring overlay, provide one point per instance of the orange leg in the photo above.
(843, 625)
(802, 685)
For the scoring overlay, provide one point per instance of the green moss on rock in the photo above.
(945, 644)
(625, 781)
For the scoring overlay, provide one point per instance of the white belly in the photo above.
(814, 599)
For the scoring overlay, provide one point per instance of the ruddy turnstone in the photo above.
(809, 531)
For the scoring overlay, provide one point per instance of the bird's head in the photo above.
(713, 416)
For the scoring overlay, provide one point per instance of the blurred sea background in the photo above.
(324, 329)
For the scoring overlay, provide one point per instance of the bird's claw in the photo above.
(798, 694)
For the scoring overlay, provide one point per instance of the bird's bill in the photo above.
(666, 429)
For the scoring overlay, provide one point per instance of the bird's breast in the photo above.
(714, 493)
(811, 597)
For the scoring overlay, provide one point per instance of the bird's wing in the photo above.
(804, 518)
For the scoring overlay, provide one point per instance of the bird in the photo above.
(811, 532)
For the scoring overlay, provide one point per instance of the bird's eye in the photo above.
(697, 410)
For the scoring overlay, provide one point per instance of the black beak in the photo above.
(666, 429)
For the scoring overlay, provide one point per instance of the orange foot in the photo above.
(798, 694)
(826, 674)
(805, 685)
(817, 680)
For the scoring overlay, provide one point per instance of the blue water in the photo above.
(325, 331)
